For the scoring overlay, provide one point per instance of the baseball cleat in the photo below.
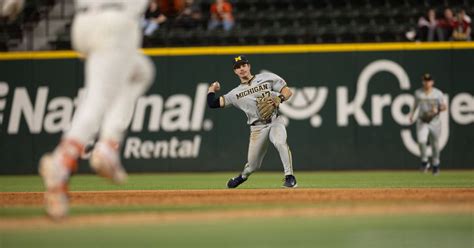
(435, 170)
(236, 181)
(105, 161)
(424, 167)
(290, 182)
(55, 178)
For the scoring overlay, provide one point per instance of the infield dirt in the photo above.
(312, 201)
(193, 197)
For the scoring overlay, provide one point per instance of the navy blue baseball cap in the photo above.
(239, 60)
(427, 77)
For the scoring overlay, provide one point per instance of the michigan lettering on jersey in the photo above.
(250, 91)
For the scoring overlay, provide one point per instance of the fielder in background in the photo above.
(258, 96)
(107, 33)
(429, 100)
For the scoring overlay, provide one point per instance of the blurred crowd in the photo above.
(451, 26)
(187, 14)
(244, 22)
(436, 25)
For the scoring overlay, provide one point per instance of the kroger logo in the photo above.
(308, 101)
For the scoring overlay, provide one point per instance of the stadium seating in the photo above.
(279, 22)
(314, 21)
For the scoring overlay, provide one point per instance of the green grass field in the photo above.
(389, 231)
(382, 179)
(371, 230)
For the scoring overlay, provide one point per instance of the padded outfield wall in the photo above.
(349, 110)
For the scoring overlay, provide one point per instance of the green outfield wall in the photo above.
(349, 109)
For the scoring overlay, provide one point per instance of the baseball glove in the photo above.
(428, 117)
(266, 106)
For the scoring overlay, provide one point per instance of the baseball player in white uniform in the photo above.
(107, 33)
(258, 96)
(429, 100)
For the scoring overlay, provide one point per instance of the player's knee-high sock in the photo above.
(67, 153)
(423, 153)
(120, 113)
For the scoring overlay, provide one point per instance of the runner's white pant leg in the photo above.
(109, 40)
(120, 113)
(106, 74)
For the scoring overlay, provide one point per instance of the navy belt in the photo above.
(263, 122)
